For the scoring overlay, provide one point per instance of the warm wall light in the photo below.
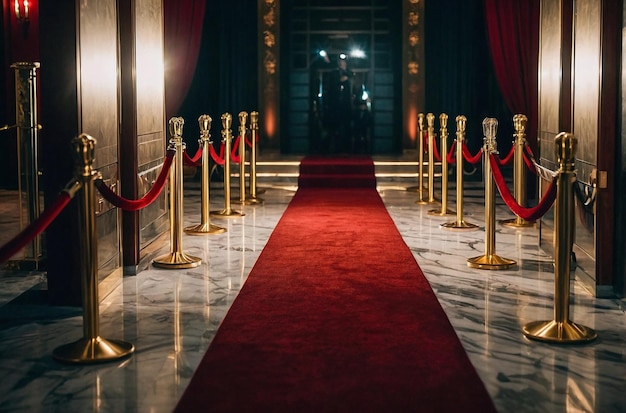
(21, 10)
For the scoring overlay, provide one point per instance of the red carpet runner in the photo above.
(336, 316)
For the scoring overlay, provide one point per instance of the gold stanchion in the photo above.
(519, 172)
(254, 130)
(176, 258)
(444, 211)
(27, 133)
(243, 116)
(420, 187)
(490, 261)
(430, 118)
(459, 224)
(91, 348)
(561, 329)
(227, 136)
(205, 227)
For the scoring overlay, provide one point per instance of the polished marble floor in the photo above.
(171, 316)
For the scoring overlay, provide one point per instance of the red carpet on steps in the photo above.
(337, 171)
(336, 316)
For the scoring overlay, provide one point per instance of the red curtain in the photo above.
(513, 36)
(183, 22)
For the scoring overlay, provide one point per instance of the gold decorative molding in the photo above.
(412, 74)
(269, 25)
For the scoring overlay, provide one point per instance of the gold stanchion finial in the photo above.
(561, 330)
(459, 224)
(205, 227)
(443, 211)
(519, 172)
(227, 135)
(176, 258)
(490, 261)
(91, 348)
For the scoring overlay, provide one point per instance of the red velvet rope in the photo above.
(219, 159)
(529, 160)
(436, 154)
(148, 198)
(508, 158)
(451, 157)
(233, 153)
(529, 214)
(35, 228)
(472, 158)
(196, 160)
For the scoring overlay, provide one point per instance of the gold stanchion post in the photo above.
(430, 118)
(519, 172)
(91, 348)
(420, 187)
(205, 226)
(254, 130)
(444, 211)
(561, 329)
(227, 136)
(176, 258)
(490, 261)
(459, 224)
(243, 200)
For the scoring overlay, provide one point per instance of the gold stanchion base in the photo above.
(417, 189)
(255, 199)
(204, 229)
(517, 223)
(227, 214)
(247, 201)
(555, 332)
(90, 351)
(459, 226)
(176, 260)
(490, 262)
(440, 213)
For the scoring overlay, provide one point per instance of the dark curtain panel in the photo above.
(182, 25)
(513, 28)
(225, 78)
(460, 78)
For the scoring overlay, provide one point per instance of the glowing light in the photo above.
(323, 53)
(343, 56)
(358, 53)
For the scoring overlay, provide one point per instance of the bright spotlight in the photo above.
(323, 53)
(343, 56)
(358, 53)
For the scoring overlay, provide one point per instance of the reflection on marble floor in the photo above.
(171, 316)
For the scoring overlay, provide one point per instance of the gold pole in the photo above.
(490, 261)
(430, 118)
(519, 172)
(176, 258)
(561, 329)
(243, 200)
(91, 348)
(254, 130)
(459, 224)
(420, 188)
(205, 227)
(227, 135)
(28, 154)
(444, 211)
